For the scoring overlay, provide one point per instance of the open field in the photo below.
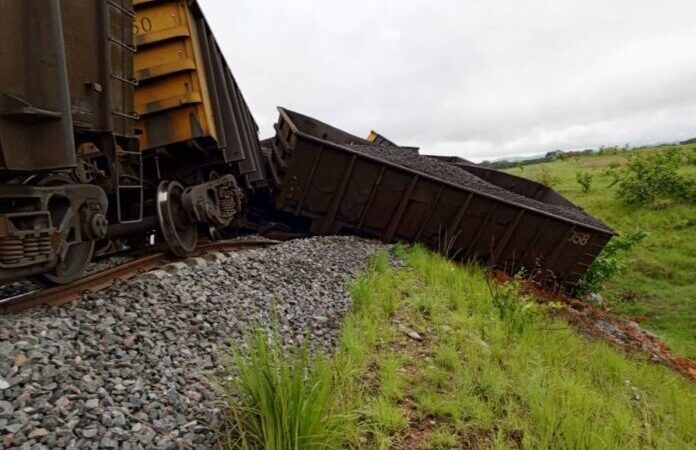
(659, 286)
(434, 356)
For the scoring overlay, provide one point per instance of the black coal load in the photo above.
(467, 180)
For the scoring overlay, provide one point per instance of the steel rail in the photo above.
(60, 295)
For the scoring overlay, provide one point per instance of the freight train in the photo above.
(117, 117)
(121, 119)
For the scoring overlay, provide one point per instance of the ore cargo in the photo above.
(518, 185)
(345, 184)
(118, 119)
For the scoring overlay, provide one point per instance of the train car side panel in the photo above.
(187, 95)
(35, 115)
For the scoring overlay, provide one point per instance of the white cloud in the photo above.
(476, 78)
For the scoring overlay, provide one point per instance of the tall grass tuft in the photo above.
(282, 399)
(516, 312)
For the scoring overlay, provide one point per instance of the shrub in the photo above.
(652, 177)
(546, 178)
(613, 172)
(584, 179)
(691, 156)
(610, 263)
(612, 150)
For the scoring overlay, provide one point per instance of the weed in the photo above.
(442, 439)
(445, 244)
(283, 399)
(665, 302)
(629, 296)
(491, 375)
(683, 224)
(391, 384)
(690, 157)
(514, 310)
(386, 416)
(447, 356)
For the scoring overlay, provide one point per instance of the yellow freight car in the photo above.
(187, 97)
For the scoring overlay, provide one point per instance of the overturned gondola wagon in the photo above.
(345, 184)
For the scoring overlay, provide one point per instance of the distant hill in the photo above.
(516, 161)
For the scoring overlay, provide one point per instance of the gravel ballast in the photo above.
(131, 367)
(21, 287)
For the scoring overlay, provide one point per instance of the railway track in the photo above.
(60, 295)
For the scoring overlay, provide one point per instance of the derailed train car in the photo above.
(198, 136)
(114, 121)
(345, 184)
(187, 98)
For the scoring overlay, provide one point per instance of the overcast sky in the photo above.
(475, 78)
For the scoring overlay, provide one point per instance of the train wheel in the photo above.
(179, 232)
(73, 266)
(78, 253)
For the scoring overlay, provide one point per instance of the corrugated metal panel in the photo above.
(187, 91)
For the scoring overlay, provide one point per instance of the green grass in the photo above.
(488, 375)
(282, 399)
(660, 283)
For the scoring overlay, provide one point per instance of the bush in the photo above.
(613, 172)
(546, 178)
(609, 263)
(612, 150)
(691, 156)
(652, 177)
(584, 179)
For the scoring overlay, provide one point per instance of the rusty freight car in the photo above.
(69, 155)
(118, 119)
(345, 184)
